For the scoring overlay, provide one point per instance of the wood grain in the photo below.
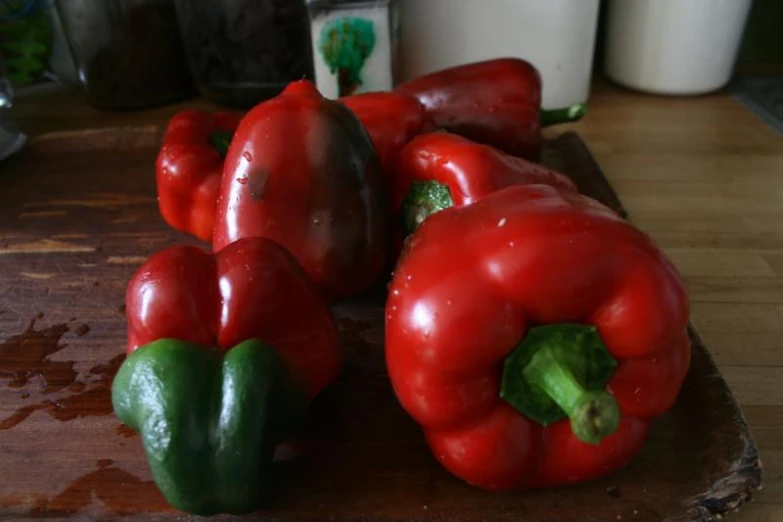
(361, 456)
(704, 176)
(711, 147)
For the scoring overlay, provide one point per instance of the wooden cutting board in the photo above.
(78, 215)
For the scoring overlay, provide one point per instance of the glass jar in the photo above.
(242, 52)
(26, 42)
(128, 52)
(12, 139)
(6, 91)
(354, 45)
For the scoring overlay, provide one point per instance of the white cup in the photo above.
(677, 47)
(557, 36)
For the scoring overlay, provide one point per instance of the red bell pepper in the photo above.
(253, 288)
(392, 120)
(189, 168)
(497, 102)
(225, 352)
(302, 170)
(534, 335)
(440, 170)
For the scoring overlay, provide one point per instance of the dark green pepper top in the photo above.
(209, 420)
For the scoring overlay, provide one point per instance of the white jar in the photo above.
(679, 47)
(557, 36)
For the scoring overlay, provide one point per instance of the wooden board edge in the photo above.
(730, 492)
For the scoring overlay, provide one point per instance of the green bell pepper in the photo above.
(209, 420)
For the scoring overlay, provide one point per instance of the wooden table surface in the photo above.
(703, 176)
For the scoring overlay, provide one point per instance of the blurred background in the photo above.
(134, 54)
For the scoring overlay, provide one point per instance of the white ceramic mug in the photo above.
(679, 47)
(557, 36)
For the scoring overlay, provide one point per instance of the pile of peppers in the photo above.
(532, 333)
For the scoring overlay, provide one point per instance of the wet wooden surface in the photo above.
(77, 220)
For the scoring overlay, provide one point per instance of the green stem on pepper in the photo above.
(559, 371)
(423, 199)
(565, 115)
(220, 140)
(593, 414)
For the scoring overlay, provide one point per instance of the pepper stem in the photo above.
(593, 414)
(221, 139)
(565, 115)
(559, 371)
(423, 199)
